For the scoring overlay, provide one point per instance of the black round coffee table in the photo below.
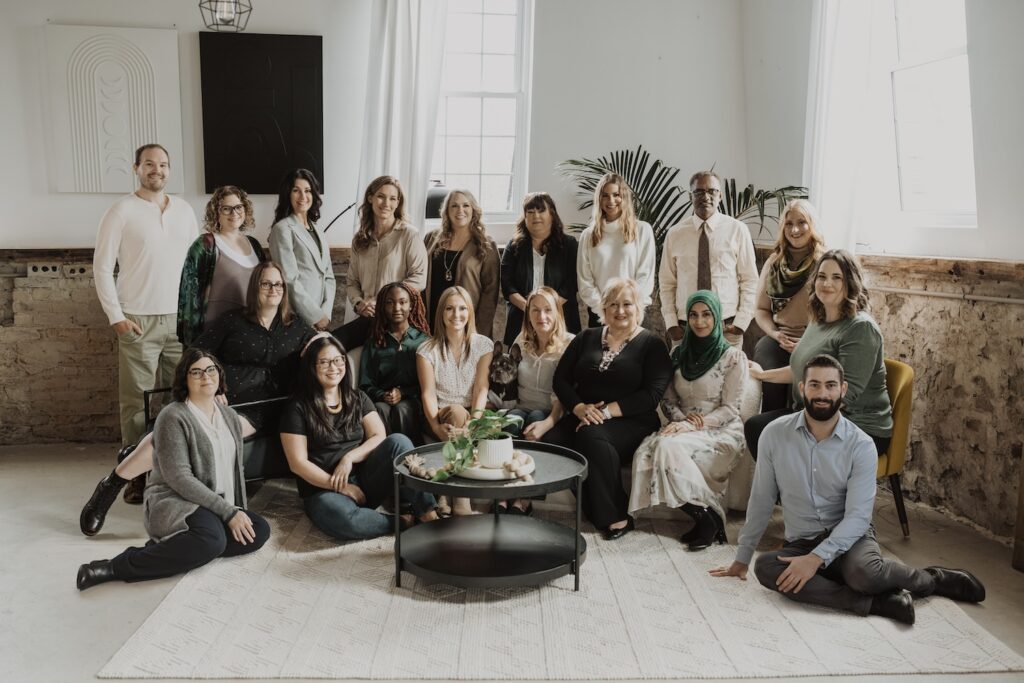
(480, 551)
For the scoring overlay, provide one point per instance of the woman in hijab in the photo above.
(688, 462)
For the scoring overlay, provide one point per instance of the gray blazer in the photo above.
(307, 270)
(183, 475)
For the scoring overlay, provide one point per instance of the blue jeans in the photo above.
(529, 417)
(339, 516)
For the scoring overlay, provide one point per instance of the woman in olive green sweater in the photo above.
(841, 327)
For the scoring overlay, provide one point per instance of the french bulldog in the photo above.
(503, 376)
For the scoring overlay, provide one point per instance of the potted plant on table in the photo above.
(482, 441)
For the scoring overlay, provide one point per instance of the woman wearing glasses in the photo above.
(539, 255)
(337, 448)
(218, 264)
(259, 346)
(195, 497)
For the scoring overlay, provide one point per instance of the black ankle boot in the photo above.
(95, 511)
(709, 528)
(694, 512)
(94, 573)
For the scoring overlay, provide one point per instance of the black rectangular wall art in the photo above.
(262, 108)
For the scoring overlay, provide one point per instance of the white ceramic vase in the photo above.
(494, 453)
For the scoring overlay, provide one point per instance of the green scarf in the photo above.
(784, 282)
(696, 355)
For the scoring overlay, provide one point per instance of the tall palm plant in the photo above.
(743, 205)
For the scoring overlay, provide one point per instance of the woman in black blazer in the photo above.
(540, 239)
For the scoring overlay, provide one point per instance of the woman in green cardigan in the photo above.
(841, 327)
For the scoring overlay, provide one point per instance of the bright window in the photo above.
(483, 114)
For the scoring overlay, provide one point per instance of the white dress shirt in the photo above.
(733, 268)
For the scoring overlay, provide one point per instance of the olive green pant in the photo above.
(144, 362)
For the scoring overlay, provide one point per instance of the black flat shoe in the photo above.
(94, 573)
(95, 511)
(611, 534)
(898, 606)
(957, 584)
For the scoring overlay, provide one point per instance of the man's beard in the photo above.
(819, 412)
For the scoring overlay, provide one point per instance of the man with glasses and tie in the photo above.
(708, 250)
(147, 234)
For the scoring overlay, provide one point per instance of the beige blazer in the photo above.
(400, 256)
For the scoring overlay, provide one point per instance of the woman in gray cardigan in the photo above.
(195, 498)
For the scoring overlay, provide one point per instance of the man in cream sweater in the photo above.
(147, 234)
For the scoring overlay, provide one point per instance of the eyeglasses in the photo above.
(197, 373)
(238, 209)
(337, 361)
(267, 286)
(700, 192)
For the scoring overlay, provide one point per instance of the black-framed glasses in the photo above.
(701, 192)
(197, 373)
(267, 286)
(337, 361)
(237, 209)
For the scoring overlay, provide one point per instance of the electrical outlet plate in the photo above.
(44, 269)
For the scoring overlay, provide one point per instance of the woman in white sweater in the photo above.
(616, 245)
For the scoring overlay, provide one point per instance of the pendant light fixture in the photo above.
(225, 15)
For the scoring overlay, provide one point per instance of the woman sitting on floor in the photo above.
(387, 369)
(260, 346)
(687, 464)
(337, 449)
(195, 498)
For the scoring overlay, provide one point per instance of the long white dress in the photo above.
(694, 467)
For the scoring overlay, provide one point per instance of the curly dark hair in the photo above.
(536, 201)
(310, 394)
(284, 195)
(211, 218)
(417, 312)
(361, 240)
(191, 356)
(856, 293)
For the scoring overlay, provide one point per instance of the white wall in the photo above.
(36, 217)
(607, 75)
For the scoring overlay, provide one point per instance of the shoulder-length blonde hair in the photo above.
(804, 207)
(364, 234)
(477, 229)
(559, 335)
(439, 337)
(856, 293)
(211, 217)
(628, 222)
(616, 286)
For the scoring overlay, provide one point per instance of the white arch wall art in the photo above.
(111, 90)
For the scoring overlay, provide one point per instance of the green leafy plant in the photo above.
(743, 205)
(458, 452)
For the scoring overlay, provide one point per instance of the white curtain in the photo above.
(402, 92)
(837, 96)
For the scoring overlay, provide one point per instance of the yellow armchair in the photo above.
(899, 380)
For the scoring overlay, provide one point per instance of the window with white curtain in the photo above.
(484, 107)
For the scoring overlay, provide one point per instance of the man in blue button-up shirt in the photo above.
(822, 468)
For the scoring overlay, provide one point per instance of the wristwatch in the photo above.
(607, 413)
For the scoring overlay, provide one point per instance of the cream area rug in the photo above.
(306, 607)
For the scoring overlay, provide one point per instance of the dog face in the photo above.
(504, 370)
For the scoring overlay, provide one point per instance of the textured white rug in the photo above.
(305, 607)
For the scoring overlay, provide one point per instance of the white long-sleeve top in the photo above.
(149, 247)
(733, 268)
(612, 258)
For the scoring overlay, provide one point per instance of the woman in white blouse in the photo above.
(452, 368)
(616, 245)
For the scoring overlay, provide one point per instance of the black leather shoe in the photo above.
(898, 606)
(95, 511)
(94, 573)
(957, 584)
(709, 529)
(611, 534)
(133, 492)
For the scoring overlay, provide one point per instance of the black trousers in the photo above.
(405, 417)
(607, 447)
(850, 581)
(207, 538)
(753, 427)
(354, 334)
(769, 355)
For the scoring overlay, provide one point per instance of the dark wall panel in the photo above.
(262, 108)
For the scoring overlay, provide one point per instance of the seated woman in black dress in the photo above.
(195, 496)
(387, 368)
(611, 378)
(338, 451)
(259, 346)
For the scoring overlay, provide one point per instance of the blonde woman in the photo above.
(386, 248)
(452, 369)
(782, 294)
(461, 254)
(616, 245)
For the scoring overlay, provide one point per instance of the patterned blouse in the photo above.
(454, 382)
